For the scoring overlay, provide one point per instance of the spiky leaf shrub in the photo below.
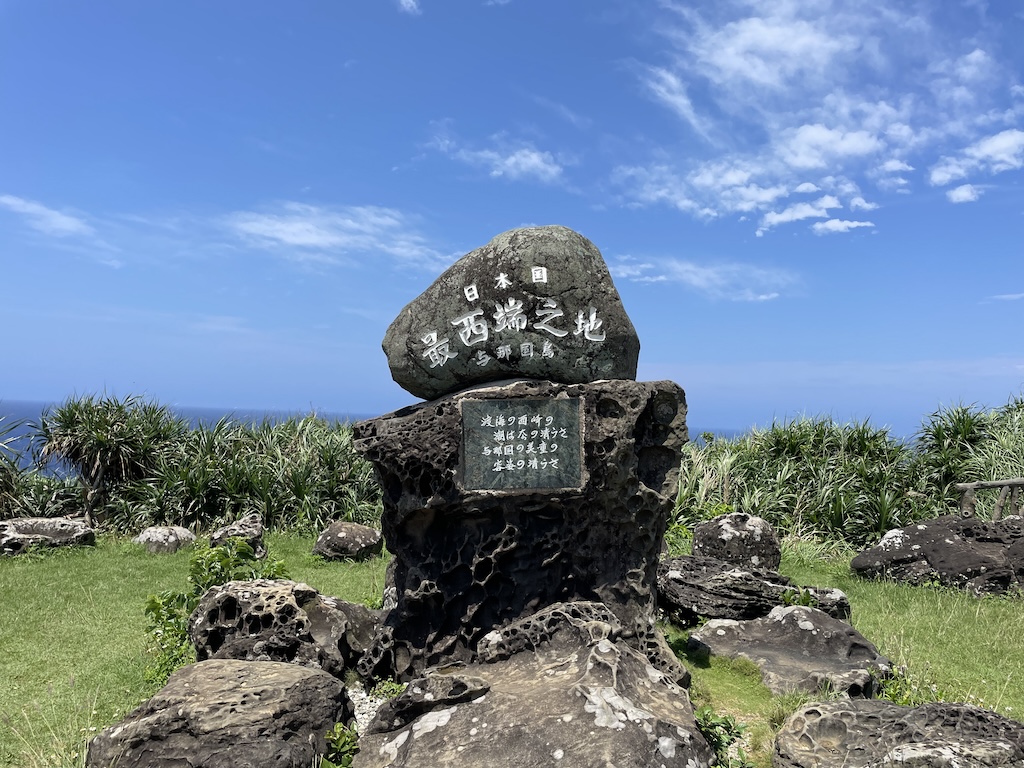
(808, 476)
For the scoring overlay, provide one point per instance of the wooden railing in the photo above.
(1011, 489)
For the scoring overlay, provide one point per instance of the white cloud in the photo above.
(791, 92)
(860, 204)
(46, 220)
(965, 193)
(410, 7)
(799, 211)
(667, 88)
(325, 234)
(725, 281)
(1000, 152)
(1009, 297)
(816, 146)
(509, 159)
(522, 163)
(838, 225)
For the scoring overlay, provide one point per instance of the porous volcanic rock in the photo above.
(248, 528)
(798, 649)
(342, 540)
(979, 556)
(468, 560)
(165, 539)
(691, 588)
(20, 533)
(536, 303)
(281, 620)
(228, 714)
(739, 538)
(872, 733)
(561, 688)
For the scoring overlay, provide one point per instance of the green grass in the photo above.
(953, 647)
(74, 636)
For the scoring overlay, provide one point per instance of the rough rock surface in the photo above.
(164, 539)
(248, 528)
(976, 555)
(873, 734)
(533, 303)
(280, 620)
(560, 689)
(342, 540)
(228, 714)
(739, 538)
(692, 588)
(20, 533)
(798, 649)
(467, 561)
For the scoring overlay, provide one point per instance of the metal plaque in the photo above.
(520, 444)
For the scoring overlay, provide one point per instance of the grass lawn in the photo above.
(73, 636)
(73, 641)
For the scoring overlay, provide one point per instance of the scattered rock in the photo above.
(798, 649)
(695, 588)
(281, 620)
(872, 734)
(20, 533)
(228, 714)
(561, 688)
(534, 303)
(343, 540)
(739, 538)
(968, 553)
(469, 559)
(249, 529)
(165, 539)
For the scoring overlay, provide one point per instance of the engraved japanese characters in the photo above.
(536, 303)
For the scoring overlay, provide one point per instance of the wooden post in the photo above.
(967, 503)
(999, 504)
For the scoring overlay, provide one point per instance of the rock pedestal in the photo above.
(504, 499)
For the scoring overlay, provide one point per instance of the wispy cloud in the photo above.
(314, 233)
(557, 107)
(505, 158)
(47, 220)
(806, 91)
(833, 226)
(1009, 296)
(725, 281)
(410, 6)
(798, 211)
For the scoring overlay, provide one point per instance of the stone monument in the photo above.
(539, 473)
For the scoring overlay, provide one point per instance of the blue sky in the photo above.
(809, 207)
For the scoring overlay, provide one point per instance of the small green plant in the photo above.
(387, 689)
(342, 747)
(168, 611)
(799, 596)
(904, 688)
(721, 732)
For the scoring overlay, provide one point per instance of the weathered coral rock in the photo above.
(535, 303)
(281, 620)
(874, 734)
(561, 688)
(228, 714)
(342, 540)
(746, 540)
(695, 588)
(979, 556)
(20, 533)
(165, 539)
(472, 554)
(798, 649)
(249, 529)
